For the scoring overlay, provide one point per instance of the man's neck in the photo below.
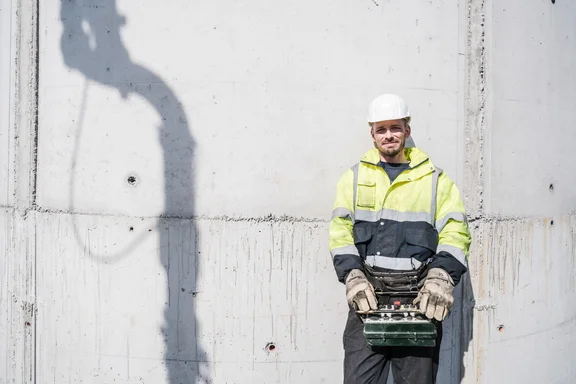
(399, 158)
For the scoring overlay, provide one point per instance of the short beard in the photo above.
(393, 152)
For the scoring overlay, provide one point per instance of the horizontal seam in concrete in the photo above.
(270, 218)
(254, 362)
(499, 218)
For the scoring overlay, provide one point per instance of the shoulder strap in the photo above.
(435, 175)
(355, 185)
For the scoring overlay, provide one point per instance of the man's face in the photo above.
(390, 136)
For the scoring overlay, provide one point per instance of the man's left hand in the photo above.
(437, 294)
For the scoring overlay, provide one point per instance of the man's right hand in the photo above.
(359, 291)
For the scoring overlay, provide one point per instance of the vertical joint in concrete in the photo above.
(25, 105)
(475, 104)
(24, 80)
(35, 79)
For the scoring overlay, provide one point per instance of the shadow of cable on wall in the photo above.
(91, 44)
(467, 319)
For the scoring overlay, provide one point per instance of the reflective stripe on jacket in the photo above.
(400, 225)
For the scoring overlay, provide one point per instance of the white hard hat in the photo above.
(388, 107)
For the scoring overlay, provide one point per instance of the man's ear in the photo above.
(408, 130)
(371, 131)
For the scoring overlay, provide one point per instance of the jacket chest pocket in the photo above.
(425, 238)
(366, 195)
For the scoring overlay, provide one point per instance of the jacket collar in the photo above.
(416, 157)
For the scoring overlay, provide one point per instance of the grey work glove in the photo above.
(360, 291)
(436, 296)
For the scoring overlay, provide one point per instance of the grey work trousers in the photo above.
(367, 365)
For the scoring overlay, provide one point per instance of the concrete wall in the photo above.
(521, 194)
(170, 170)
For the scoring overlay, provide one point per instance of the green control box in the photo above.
(400, 333)
(398, 325)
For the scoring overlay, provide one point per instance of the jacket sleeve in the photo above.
(453, 233)
(344, 253)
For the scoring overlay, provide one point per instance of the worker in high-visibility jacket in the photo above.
(396, 211)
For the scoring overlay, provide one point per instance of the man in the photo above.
(396, 213)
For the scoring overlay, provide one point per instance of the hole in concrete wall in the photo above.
(131, 229)
(132, 180)
(270, 347)
(500, 328)
(551, 187)
(553, 1)
(551, 222)
(28, 324)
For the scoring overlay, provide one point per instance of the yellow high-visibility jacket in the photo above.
(419, 217)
